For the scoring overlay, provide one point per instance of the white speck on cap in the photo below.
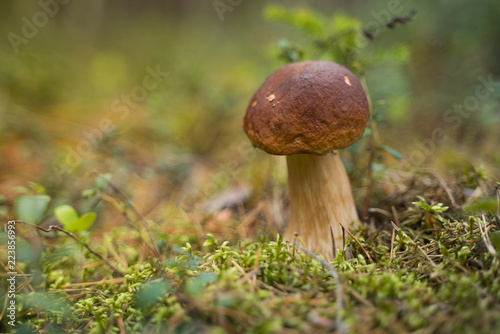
(347, 81)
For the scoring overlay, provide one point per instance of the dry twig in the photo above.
(54, 227)
(395, 215)
(58, 228)
(392, 244)
(357, 241)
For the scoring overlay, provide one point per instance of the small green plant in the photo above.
(427, 214)
(70, 220)
(433, 209)
(338, 38)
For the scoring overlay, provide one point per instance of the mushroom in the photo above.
(307, 111)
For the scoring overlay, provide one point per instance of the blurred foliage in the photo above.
(339, 38)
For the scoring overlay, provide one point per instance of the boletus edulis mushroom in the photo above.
(307, 111)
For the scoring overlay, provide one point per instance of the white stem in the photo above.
(320, 197)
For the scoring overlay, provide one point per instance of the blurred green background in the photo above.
(67, 87)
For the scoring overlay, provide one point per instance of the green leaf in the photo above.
(150, 294)
(88, 193)
(195, 285)
(289, 52)
(367, 132)
(391, 151)
(38, 188)
(31, 208)
(66, 215)
(82, 224)
(377, 167)
(279, 239)
(211, 242)
(101, 182)
(377, 117)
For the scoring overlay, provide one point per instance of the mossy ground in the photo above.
(436, 271)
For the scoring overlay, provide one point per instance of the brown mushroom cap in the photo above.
(311, 107)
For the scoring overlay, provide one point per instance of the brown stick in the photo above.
(445, 187)
(357, 241)
(333, 242)
(395, 215)
(120, 320)
(392, 244)
(54, 227)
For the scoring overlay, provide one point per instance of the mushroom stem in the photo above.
(320, 197)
